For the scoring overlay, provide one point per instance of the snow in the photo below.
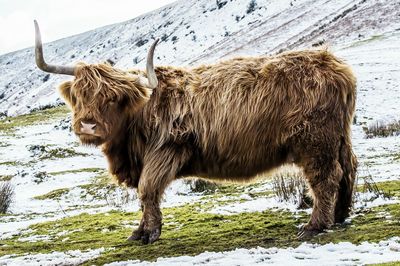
(254, 205)
(273, 203)
(344, 253)
(370, 200)
(72, 257)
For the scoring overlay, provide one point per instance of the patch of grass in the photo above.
(396, 157)
(388, 189)
(55, 194)
(366, 226)
(369, 185)
(43, 152)
(61, 153)
(395, 263)
(100, 182)
(189, 232)
(6, 177)
(11, 123)
(391, 188)
(81, 170)
(365, 41)
(185, 232)
(101, 188)
(10, 163)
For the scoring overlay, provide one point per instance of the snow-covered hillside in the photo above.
(59, 182)
(194, 32)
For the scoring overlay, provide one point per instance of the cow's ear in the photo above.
(65, 90)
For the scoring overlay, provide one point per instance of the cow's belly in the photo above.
(236, 164)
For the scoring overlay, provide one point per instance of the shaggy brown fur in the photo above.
(231, 120)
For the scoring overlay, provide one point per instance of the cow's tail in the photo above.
(347, 159)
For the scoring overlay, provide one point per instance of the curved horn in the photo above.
(66, 70)
(151, 81)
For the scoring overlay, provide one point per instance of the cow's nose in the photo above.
(88, 128)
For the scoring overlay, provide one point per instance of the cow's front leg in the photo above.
(149, 229)
(158, 172)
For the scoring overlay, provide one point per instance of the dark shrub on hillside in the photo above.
(141, 42)
(164, 37)
(110, 61)
(319, 43)
(46, 78)
(40, 177)
(200, 185)
(221, 3)
(6, 196)
(251, 7)
(46, 106)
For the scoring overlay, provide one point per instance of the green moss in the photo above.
(55, 194)
(394, 263)
(366, 41)
(6, 177)
(10, 163)
(11, 123)
(61, 153)
(91, 170)
(99, 182)
(186, 231)
(366, 226)
(43, 152)
(391, 188)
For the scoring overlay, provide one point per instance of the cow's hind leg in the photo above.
(344, 200)
(323, 172)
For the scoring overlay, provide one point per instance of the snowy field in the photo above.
(56, 178)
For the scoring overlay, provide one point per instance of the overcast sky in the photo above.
(62, 18)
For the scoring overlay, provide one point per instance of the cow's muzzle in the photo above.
(89, 129)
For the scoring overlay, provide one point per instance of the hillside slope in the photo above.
(194, 32)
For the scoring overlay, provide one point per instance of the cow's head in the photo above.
(101, 97)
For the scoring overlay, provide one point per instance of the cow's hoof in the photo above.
(136, 235)
(150, 236)
(307, 232)
(341, 217)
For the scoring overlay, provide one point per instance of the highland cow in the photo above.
(229, 120)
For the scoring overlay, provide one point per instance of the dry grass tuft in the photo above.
(383, 129)
(6, 196)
